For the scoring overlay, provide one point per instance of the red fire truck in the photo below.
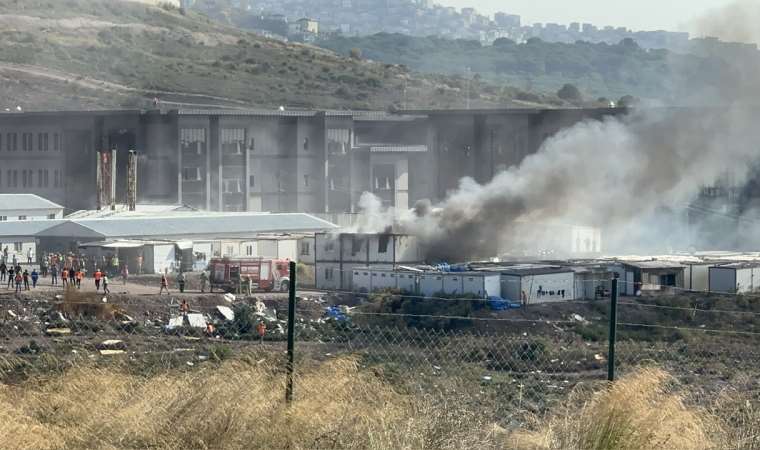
(230, 274)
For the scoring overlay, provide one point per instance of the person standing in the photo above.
(125, 273)
(44, 267)
(181, 282)
(204, 280)
(72, 276)
(79, 276)
(18, 280)
(98, 275)
(105, 285)
(164, 285)
(65, 277)
(3, 271)
(26, 280)
(35, 277)
(11, 278)
(54, 275)
(29, 256)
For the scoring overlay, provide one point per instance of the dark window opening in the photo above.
(382, 244)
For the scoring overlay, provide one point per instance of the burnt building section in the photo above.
(481, 143)
(270, 160)
(53, 154)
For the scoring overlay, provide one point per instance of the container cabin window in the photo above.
(233, 141)
(356, 245)
(193, 140)
(382, 243)
(305, 248)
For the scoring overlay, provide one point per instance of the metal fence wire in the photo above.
(510, 364)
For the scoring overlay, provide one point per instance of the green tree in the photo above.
(570, 93)
(627, 101)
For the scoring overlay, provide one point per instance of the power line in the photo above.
(707, 330)
(481, 319)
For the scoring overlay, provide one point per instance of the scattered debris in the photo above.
(58, 331)
(229, 297)
(226, 312)
(112, 344)
(175, 322)
(107, 352)
(196, 320)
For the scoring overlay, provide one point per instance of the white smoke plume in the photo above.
(633, 176)
(736, 22)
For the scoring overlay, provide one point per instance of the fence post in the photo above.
(291, 332)
(613, 331)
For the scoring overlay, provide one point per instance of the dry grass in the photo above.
(239, 405)
(644, 410)
(236, 406)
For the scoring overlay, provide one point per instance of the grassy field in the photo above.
(105, 54)
(239, 404)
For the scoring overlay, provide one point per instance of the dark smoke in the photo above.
(632, 176)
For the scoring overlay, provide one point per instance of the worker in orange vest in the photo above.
(79, 276)
(261, 329)
(65, 276)
(98, 275)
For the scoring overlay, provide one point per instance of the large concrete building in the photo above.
(261, 160)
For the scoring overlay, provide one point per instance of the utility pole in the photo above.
(613, 331)
(113, 179)
(291, 333)
(132, 181)
(99, 180)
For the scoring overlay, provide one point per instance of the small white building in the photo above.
(735, 278)
(28, 207)
(427, 283)
(336, 255)
(478, 284)
(532, 284)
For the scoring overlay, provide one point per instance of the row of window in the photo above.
(232, 185)
(5, 218)
(193, 140)
(9, 142)
(28, 178)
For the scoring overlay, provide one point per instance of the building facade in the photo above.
(279, 161)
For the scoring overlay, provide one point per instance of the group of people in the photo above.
(16, 277)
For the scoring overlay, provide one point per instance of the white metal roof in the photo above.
(208, 225)
(26, 202)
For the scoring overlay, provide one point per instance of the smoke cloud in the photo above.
(632, 176)
(736, 22)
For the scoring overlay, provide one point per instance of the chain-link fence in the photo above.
(505, 363)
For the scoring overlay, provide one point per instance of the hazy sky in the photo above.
(638, 14)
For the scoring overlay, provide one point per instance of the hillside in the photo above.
(105, 54)
(599, 70)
